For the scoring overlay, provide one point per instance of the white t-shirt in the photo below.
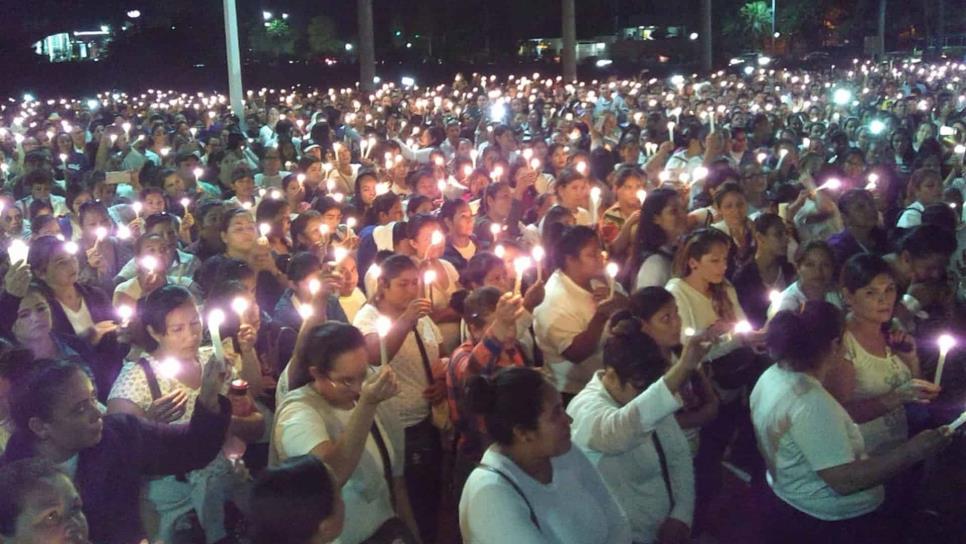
(911, 216)
(874, 377)
(81, 320)
(352, 303)
(654, 271)
(697, 312)
(565, 312)
(792, 298)
(618, 440)
(133, 288)
(574, 508)
(801, 430)
(409, 404)
(305, 420)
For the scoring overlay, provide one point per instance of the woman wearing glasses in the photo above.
(334, 413)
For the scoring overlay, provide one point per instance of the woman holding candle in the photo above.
(413, 348)
(342, 413)
(209, 242)
(101, 256)
(57, 418)
(156, 389)
(499, 208)
(308, 276)
(769, 273)
(152, 256)
(364, 193)
(826, 486)
(76, 310)
(815, 265)
(662, 222)
(884, 373)
(277, 215)
(428, 243)
(570, 321)
(491, 317)
(344, 172)
(706, 299)
(533, 486)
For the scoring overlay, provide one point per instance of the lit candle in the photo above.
(100, 233)
(71, 247)
(215, 318)
(473, 154)
(833, 184)
(946, 342)
(429, 277)
(383, 325)
(641, 195)
(149, 263)
(125, 312)
(495, 229)
(350, 224)
(689, 332)
(264, 229)
(314, 286)
(743, 327)
(538, 254)
(594, 204)
(169, 368)
(305, 311)
(435, 240)
(670, 130)
(240, 305)
(137, 206)
(612, 270)
(520, 265)
(198, 172)
(185, 203)
(123, 232)
(774, 297)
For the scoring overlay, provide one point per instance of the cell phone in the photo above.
(117, 177)
(947, 131)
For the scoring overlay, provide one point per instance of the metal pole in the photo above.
(367, 46)
(773, 15)
(568, 55)
(234, 62)
(706, 52)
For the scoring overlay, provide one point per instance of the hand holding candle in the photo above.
(612, 269)
(946, 343)
(538, 255)
(215, 318)
(383, 326)
(429, 277)
(436, 239)
(520, 266)
(594, 205)
(125, 312)
(240, 306)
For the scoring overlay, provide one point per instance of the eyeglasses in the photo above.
(348, 383)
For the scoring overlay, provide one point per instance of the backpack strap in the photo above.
(151, 377)
(665, 474)
(533, 515)
(386, 463)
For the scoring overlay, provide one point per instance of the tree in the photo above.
(754, 19)
(272, 39)
(323, 39)
(367, 46)
(568, 54)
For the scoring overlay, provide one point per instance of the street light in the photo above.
(348, 47)
(693, 36)
(266, 15)
(285, 16)
(134, 14)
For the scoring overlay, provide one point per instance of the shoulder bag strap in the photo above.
(665, 474)
(151, 378)
(533, 515)
(386, 463)
(423, 355)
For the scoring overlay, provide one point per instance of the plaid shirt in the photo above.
(483, 358)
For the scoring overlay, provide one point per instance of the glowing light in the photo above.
(169, 368)
(71, 247)
(315, 286)
(100, 233)
(265, 229)
(743, 327)
(612, 270)
(946, 342)
(240, 305)
(149, 263)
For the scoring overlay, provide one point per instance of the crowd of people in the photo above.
(518, 310)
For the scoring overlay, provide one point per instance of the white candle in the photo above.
(350, 224)
(17, 250)
(436, 239)
(612, 270)
(538, 254)
(264, 229)
(520, 265)
(670, 130)
(958, 422)
(169, 368)
(215, 318)
(429, 277)
(125, 312)
(641, 195)
(594, 204)
(946, 342)
(240, 305)
(136, 206)
(383, 325)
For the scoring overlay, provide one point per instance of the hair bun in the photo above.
(480, 395)
(784, 332)
(458, 301)
(624, 323)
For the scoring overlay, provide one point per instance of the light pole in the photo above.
(234, 61)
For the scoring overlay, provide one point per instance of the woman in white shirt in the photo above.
(412, 350)
(663, 221)
(573, 189)
(624, 422)
(925, 188)
(569, 323)
(732, 207)
(162, 387)
(532, 485)
(422, 230)
(826, 488)
(884, 373)
(815, 265)
(334, 412)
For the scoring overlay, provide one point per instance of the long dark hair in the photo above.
(509, 399)
(39, 389)
(697, 245)
(650, 237)
(290, 500)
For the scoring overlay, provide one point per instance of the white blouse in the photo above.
(876, 376)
